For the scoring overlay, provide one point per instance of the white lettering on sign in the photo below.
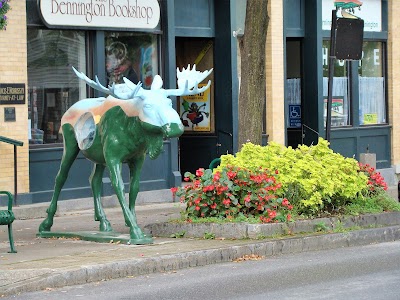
(376, 59)
(101, 13)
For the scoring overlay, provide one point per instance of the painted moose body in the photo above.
(118, 129)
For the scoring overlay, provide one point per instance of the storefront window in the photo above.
(131, 55)
(52, 85)
(340, 96)
(372, 109)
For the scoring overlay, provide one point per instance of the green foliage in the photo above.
(233, 193)
(4, 8)
(209, 236)
(314, 178)
(179, 234)
(377, 203)
(321, 227)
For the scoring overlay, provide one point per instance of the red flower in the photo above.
(226, 202)
(217, 176)
(200, 172)
(197, 208)
(288, 217)
(214, 205)
(174, 190)
(231, 174)
(186, 178)
(272, 214)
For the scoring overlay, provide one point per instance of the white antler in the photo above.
(136, 88)
(111, 90)
(188, 82)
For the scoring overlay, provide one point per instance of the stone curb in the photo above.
(254, 231)
(165, 263)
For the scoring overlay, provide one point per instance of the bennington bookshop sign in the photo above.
(101, 13)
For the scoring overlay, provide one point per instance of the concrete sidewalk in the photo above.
(50, 263)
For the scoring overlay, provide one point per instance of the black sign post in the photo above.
(331, 70)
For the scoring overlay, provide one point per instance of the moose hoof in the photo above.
(45, 226)
(105, 226)
(141, 241)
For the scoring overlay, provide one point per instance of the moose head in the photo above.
(118, 129)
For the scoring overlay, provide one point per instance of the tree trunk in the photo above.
(252, 85)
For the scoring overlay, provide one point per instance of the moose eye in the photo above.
(148, 106)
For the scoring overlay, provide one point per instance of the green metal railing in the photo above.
(15, 143)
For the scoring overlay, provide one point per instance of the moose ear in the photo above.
(157, 83)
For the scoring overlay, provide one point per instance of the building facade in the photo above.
(139, 39)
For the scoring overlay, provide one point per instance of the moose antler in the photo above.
(111, 90)
(188, 82)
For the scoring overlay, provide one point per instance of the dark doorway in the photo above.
(294, 92)
(198, 144)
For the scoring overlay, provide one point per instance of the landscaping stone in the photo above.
(258, 231)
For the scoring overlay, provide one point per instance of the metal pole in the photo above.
(331, 69)
(15, 175)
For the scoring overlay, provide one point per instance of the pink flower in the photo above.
(174, 190)
(226, 202)
(200, 172)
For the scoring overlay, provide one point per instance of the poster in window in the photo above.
(339, 118)
(195, 111)
(134, 57)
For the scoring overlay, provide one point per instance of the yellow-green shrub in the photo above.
(314, 178)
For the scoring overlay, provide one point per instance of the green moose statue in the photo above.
(121, 128)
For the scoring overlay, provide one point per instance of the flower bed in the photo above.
(269, 184)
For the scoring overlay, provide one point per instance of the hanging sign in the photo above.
(100, 13)
(370, 11)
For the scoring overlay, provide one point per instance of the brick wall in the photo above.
(13, 69)
(275, 73)
(394, 78)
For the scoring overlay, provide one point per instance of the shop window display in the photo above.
(131, 55)
(340, 89)
(52, 86)
(372, 108)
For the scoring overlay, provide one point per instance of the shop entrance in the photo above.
(198, 146)
(294, 93)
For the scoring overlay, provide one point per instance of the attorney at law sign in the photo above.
(101, 13)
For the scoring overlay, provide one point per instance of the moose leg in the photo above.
(136, 234)
(134, 168)
(71, 151)
(96, 183)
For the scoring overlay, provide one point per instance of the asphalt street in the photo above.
(366, 272)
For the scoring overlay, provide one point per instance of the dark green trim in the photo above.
(11, 141)
(312, 106)
(353, 141)
(195, 18)
(169, 54)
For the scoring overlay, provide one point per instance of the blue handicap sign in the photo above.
(295, 116)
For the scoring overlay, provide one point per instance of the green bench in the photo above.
(7, 218)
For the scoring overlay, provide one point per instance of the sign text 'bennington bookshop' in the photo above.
(101, 13)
